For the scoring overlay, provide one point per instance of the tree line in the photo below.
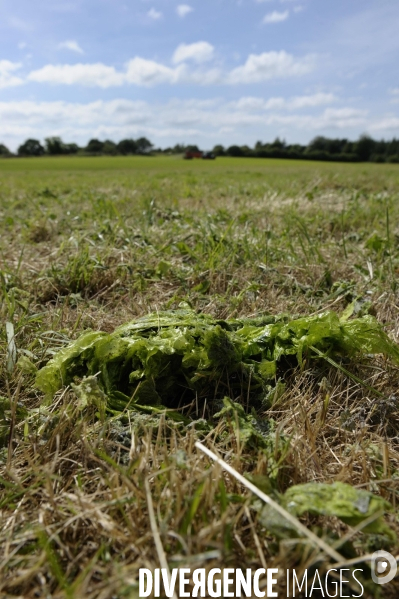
(54, 146)
(365, 149)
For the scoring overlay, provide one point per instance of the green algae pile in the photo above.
(166, 359)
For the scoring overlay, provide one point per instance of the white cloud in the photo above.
(248, 103)
(394, 92)
(139, 71)
(70, 45)
(91, 75)
(113, 119)
(7, 78)
(149, 73)
(154, 14)
(270, 65)
(199, 52)
(341, 118)
(179, 120)
(276, 16)
(390, 123)
(294, 103)
(183, 10)
(143, 72)
(318, 99)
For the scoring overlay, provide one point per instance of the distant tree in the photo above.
(54, 146)
(143, 145)
(31, 147)
(375, 157)
(178, 149)
(71, 148)
(261, 150)
(4, 151)
(234, 151)
(127, 146)
(109, 147)
(296, 148)
(336, 146)
(348, 148)
(364, 147)
(318, 144)
(295, 151)
(246, 151)
(192, 148)
(392, 147)
(278, 144)
(95, 146)
(219, 150)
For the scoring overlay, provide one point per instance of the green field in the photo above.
(93, 243)
(273, 169)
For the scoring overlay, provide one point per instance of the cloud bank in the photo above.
(270, 65)
(214, 120)
(144, 72)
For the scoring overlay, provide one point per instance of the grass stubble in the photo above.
(95, 246)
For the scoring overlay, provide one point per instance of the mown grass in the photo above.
(94, 242)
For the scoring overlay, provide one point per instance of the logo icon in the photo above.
(383, 567)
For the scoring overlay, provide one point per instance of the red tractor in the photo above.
(190, 154)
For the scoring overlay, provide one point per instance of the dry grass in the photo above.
(75, 492)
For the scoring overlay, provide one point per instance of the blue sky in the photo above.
(198, 71)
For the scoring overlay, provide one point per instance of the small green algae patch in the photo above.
(258, 434)
(352, 506)
(168, 357)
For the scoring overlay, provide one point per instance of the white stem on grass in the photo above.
(155, 532)
(314, 539)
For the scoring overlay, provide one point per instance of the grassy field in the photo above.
(93, 243)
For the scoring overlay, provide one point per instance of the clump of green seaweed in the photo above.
(166, 359)
(352, 506)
